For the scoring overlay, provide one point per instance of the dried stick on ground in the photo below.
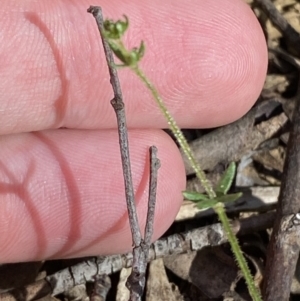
(136, 281)
(284, 247)
(290, 34)
(231, 142)
(193, 240)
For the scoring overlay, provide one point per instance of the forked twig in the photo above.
(136, 281)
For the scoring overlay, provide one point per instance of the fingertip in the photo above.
(207, 59)
(62, 192)
(214, 67)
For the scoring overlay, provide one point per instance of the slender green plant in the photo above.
(113, 32)
(203, 201)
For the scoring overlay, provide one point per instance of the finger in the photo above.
(62, 192)
(208, 60)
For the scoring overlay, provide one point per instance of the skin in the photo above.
(61, 191)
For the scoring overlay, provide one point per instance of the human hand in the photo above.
(62, 191)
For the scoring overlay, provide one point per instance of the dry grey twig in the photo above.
(136, 281)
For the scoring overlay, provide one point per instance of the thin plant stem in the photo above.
(176, 132)
(236, 249)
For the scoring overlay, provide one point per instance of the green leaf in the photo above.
(225, 199)
(207, 204)
(203, 201)
(115, 30)
(195, 196)
(128, 57)
(228, 198)
(226, 180)
(136, 54)
(141, 50)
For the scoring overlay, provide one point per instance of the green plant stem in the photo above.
(219, 207)
(131, 59)
(242, 263)
(177, 133)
